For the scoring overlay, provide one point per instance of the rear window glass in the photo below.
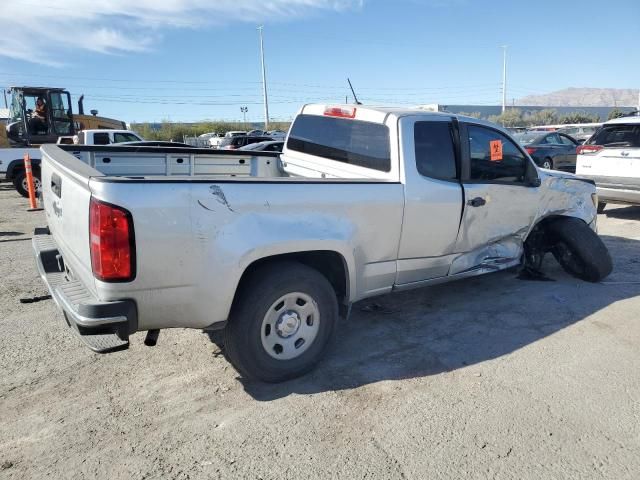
(435, 155)
(101, 139)
(617, 136)
(355, 142)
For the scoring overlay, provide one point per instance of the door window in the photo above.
(494, 157)
(435, 154)
(60, 110)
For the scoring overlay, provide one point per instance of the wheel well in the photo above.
(538, 241)
(329, 263)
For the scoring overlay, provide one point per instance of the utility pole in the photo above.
(504, 78)
(264, 81)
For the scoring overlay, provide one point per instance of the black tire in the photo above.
(19, 183)
(550, 163)
(579, 250)
(243, 335)
(601, 206)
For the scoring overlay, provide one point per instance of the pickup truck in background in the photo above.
(274, 249)
(11, 160)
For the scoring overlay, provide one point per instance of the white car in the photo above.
(611, 157)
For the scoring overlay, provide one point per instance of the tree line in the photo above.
(514, 117)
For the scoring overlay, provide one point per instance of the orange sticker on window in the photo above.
(496, 150)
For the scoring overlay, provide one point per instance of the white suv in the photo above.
(611, 157)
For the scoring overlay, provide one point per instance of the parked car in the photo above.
(267, 146)
(238, 142)
(345, 215)
(234, 133)
(216, 140)
(156, 143)
(550, 150)
(256, 133)
(276, 134)
(580, 132)
(611, 157)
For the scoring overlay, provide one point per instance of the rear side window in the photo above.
(101, 139)
(617, 136)
(355, 142)
(435, 155)
(119, 137)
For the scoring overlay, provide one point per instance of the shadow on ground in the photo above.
(624, 213)
(446, 327)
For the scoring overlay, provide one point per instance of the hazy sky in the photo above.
(199, 59)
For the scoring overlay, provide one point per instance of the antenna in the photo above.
(354, 93)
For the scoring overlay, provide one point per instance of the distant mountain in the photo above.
(584, 97)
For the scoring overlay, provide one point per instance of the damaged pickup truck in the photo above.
(362, 202)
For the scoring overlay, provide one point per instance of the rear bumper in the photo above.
(103, 326)
(617, 189)
(618, 195)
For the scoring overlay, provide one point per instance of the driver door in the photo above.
(500, 200)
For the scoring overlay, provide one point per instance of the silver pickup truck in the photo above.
(274, 249)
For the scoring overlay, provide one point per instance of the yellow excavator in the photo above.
(39, 115)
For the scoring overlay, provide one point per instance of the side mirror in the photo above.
(532, 178)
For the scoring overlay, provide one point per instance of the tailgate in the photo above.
(66, 197)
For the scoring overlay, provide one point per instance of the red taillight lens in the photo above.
(111, 242)
(342, 112)
(530, 150)
(587, 149)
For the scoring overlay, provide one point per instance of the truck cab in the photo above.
(38, 115)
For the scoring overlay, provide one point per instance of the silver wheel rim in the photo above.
(290, 326)
(36, 184)
(546, 165)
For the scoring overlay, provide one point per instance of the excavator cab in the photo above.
(38, 115)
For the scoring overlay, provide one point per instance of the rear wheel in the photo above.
(282, 322)
(20, 183)
(547, 163)
(579, 250)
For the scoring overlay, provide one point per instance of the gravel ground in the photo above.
(492, 377)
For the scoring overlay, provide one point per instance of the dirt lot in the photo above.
(493, 377)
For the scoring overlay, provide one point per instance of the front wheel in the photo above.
(282, 322)
(579, 250)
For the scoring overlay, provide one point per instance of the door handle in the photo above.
(477, 202)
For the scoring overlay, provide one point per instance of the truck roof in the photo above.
(379, 113)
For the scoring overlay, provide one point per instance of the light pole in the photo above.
(264, 82)
(504, 78)
(244, 111)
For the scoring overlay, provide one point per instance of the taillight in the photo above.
(342, 112)
(530, 150)
(112, 242)
(588, 149)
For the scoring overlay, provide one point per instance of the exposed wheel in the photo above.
(547, 163)
(20, 183)
(280, 325)
(601, 206)
(579, 250)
